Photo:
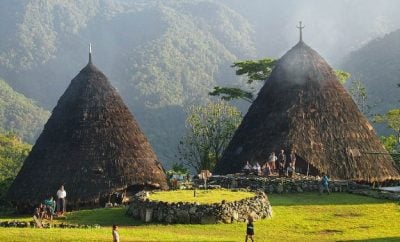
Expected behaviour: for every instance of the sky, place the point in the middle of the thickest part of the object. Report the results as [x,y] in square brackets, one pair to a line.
[333,27]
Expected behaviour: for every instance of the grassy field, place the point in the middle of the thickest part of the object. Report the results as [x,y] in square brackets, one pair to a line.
[297,217]
[202,196]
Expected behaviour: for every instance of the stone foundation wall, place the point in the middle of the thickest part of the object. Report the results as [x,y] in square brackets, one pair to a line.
[191,213]
[280,184]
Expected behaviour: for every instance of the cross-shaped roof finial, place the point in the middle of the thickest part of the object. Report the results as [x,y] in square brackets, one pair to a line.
[90,52]
[301,27]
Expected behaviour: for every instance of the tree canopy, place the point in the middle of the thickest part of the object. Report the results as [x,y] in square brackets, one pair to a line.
[255,71]
[209,128]
[12,155]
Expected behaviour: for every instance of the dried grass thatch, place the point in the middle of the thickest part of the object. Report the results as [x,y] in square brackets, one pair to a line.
[303,107]
[92,144]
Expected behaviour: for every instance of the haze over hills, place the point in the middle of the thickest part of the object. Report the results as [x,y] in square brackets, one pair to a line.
[377,64]
[165,55]
[161,56]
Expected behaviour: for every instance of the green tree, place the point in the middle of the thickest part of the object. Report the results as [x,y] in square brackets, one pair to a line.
[389,142]
[12,154]
[392,119]
[255,71]
[342,76]
[209,128]
[179,168]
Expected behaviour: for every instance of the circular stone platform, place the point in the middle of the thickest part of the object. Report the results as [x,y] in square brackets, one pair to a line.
[171,211]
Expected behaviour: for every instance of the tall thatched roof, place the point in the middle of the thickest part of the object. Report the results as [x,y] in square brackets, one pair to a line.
[92,144]
[302,106]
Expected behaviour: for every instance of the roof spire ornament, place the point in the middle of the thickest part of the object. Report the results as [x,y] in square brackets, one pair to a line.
[301,27]
[90,52]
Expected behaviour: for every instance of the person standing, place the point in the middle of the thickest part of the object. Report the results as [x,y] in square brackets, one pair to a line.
[324,184]
[271,160]
[250,229]
[293,160]
[115,233]
[282,158]
[61,203]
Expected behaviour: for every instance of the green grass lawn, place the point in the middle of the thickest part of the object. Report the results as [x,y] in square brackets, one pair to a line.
[202,196]
[296,217]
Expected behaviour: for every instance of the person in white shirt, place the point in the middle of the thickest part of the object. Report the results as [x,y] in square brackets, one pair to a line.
[257,169]
[247,168]
[272,160]
[61,203]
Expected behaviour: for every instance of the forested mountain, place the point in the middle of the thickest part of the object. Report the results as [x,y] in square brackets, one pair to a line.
[20,115]
[160,55]
[377,64]
[165,55]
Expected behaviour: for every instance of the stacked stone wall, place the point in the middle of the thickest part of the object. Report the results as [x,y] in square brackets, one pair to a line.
[192,213]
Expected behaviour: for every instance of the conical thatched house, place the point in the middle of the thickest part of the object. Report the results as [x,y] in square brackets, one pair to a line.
[302,106]
[91,144]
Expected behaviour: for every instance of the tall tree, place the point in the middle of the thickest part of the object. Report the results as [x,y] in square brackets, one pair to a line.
[209,128]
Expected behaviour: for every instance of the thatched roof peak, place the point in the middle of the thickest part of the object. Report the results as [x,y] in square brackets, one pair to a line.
[301,64]
[92,144]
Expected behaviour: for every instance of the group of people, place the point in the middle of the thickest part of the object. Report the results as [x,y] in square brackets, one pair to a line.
[49,208]
[282,165]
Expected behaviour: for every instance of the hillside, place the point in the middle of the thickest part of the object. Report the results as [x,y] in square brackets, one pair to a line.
[160,55]
[377,64]
[20,115]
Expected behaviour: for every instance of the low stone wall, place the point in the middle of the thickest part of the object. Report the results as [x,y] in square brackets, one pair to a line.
[394,196]
[191,213]
[32,224]
[280,184]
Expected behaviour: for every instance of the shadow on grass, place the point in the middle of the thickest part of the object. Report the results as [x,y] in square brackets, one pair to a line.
[374,240]
[101,216]
[295,199]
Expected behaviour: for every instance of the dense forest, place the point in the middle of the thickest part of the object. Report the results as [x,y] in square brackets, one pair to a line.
[162,56]
[12,153]
[20,115]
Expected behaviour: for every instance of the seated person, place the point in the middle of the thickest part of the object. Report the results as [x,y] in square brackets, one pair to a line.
[36,213]
[37,217]
[281,168]
[257,169]
[50,207]
[247,168]
[42,210]
[267,169]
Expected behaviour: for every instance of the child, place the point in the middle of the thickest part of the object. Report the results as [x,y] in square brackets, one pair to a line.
[115,233]
[250,229]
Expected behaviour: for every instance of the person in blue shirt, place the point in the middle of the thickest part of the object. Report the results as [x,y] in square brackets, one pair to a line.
[324,184]
[50,206]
